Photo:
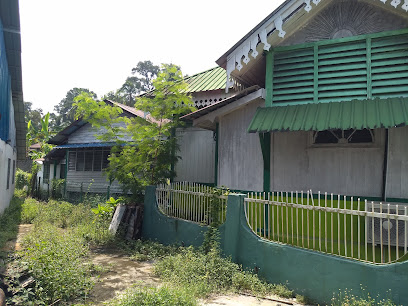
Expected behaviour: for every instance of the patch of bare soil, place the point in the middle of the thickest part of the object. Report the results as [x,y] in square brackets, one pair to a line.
[122,273]
[246,300]
[15,244]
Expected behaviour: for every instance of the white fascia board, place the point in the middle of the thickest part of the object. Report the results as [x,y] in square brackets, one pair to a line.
[211,117]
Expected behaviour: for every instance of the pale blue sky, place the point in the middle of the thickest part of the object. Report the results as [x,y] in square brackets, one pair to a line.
[95,43]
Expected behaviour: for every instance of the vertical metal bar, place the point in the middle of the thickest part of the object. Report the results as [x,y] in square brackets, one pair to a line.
[320,225]
[338,225]
[269,217]
[397,236]
[291,199]
[273,216]
[372,232]
[325,222]
[264,212]
[307,221]
[282,215]
[303,239]
[287,218]
[405,232]
[253,212]
[381,235]
[366,231]
[314,223]
[277,216]
[345,228]
[351,230]
[389,232]
[358,230]
[332,225]
[297,219]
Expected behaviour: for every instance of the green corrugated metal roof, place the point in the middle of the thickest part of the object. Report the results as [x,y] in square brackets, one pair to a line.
[354,114]
[211,79]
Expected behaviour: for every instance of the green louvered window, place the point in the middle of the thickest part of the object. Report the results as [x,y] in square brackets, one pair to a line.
[361,67]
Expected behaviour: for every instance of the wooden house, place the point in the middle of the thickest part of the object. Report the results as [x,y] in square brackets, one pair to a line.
[326,101]
[80,157]
[12,125]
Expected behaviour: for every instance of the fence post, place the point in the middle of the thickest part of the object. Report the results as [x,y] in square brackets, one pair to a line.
[232,224]
[148,226]
[80,195]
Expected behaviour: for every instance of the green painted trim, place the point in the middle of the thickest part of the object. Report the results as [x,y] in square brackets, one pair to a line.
[341,40]
[269,78]
[265,141]
[316,74]
[217,134]
[369,76]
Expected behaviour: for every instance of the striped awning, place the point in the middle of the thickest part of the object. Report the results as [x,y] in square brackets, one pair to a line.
[355,114]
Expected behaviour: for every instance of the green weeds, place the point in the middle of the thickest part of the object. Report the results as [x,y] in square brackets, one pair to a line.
[155,296]
[347,298]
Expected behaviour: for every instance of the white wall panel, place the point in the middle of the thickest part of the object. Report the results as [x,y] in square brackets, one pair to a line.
[197,150]
[240,156]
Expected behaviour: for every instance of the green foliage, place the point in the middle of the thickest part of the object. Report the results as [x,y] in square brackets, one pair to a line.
[165,296]
[205,274]
[22,179]
[148,161]
[347,298]
[30,209]
[55,259]
[147,250]
[57,188]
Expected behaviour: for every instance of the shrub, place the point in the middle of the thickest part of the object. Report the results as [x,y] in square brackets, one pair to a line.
[155,296]
[209,273]
[143,250]
[9,220]
[22,179]
[29,210]
[347,298]
[55,258]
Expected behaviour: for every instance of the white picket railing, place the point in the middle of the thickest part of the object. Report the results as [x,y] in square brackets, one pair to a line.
[188,201]
[347,227]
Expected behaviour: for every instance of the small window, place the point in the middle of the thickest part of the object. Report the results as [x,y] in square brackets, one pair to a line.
[14,172]
[72,160]
[105,161]
[46,174]
[80,161]
[97,162]
[343,136]
[88,160]
[8,173]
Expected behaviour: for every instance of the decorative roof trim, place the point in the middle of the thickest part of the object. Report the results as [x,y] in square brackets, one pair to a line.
[241,54]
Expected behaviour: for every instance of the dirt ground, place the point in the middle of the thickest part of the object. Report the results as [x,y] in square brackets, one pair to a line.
[120,273]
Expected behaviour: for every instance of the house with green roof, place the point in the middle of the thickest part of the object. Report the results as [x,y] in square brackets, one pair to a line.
[324,105]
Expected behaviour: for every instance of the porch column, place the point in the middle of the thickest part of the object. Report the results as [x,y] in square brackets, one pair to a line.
[265,140]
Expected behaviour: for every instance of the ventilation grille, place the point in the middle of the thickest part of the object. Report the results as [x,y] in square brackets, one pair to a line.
[340,70]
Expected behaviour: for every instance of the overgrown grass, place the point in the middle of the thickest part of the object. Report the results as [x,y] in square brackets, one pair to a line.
[78,218]
[155,296]
[347,298]
[206,274]
[56,260]
[145,250]
[9,220]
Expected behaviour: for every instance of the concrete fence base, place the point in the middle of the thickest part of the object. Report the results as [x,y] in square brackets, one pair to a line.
[313,274]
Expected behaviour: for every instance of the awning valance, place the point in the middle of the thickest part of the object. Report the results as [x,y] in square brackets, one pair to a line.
[355,114]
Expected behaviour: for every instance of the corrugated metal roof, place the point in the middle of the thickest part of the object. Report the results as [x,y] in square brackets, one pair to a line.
[354,114]
[211,79]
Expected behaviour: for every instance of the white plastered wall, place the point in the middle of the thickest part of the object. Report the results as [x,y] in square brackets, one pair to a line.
[6,152]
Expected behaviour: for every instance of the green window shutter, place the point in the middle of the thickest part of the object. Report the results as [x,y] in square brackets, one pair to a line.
[389,57]
[362,67]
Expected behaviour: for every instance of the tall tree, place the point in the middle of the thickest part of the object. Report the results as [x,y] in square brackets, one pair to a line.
[148,160]
[129,90]
[65,114]
[33,115]
[146,72]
